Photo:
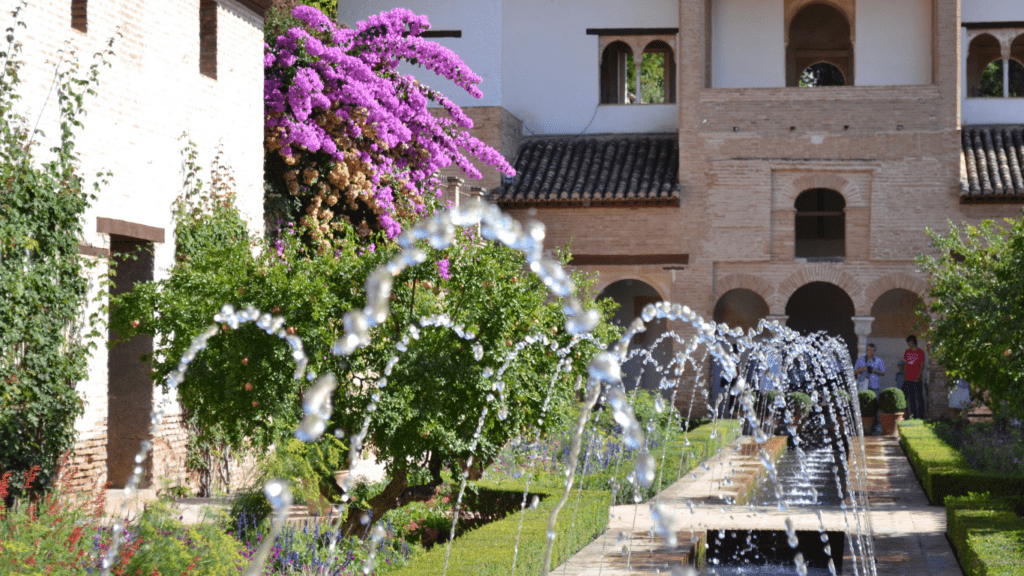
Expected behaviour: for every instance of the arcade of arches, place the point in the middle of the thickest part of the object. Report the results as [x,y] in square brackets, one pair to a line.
[815,306]
[822,306]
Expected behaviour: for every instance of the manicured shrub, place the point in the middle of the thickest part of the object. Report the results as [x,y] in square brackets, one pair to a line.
[944,472]
[987,534]
[868,403]
[490,549]
[892,401]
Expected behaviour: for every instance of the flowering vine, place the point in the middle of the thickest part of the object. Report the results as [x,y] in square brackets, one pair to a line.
[349,139]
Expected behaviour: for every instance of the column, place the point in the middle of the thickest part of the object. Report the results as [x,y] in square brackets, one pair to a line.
[1005,45]
[637,61]
[862,326]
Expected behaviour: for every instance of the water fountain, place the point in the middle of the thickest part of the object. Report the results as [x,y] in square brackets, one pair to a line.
[745,360]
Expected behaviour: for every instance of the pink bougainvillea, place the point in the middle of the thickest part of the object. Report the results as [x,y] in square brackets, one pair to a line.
[351,136]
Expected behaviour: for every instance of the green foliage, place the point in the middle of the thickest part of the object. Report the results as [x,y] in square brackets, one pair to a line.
[892,400]
[799,402]
[489,550]
[987,534]
[645,410]
[944,472]
[170,547]
[652,77]
[992,80]
[241,391]
[868,403]
[976,305]
[43,353]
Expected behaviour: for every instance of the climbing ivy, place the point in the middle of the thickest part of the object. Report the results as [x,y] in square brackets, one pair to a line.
[43,353]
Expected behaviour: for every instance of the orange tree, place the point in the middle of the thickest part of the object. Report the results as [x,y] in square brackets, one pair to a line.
[976,306]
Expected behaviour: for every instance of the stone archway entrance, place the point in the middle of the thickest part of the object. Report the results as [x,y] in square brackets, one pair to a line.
[632,296]
[895,318]
[823,306]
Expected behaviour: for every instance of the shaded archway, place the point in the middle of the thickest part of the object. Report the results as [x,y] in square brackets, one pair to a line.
[981,52]
[632,296]
[823,306]
[615,60]
[818,33]
[741,308]
[895,314]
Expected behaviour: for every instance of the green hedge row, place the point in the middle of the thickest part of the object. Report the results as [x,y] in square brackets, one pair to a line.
[987,534]
[943,471]
[489,550]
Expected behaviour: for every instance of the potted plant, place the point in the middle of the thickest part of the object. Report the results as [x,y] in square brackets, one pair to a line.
[868,409]
[891,404]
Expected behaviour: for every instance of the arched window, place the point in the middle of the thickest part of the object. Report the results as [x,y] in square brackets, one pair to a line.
[820,224]
[616,57]
[984,67]
[657,74]
[656,77]
[819,33]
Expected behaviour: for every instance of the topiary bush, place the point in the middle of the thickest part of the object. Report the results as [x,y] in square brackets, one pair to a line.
[987,534]
[892,401]
[868,403]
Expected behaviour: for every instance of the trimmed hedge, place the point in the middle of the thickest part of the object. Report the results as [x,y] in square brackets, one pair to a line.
[987,534]
[489,549]
[943,471]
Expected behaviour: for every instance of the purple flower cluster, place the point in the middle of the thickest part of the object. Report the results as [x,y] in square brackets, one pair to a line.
[442,269]
[337,92]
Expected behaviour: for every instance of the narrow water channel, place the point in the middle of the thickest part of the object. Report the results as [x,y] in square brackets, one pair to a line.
[807,481]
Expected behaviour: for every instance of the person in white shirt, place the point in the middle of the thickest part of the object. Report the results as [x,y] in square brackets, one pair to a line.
[869,370]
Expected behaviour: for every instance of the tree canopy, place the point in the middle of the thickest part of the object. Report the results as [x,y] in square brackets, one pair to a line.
[977,306]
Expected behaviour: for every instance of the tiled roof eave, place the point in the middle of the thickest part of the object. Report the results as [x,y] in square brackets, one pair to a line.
[672,201]
[992,158]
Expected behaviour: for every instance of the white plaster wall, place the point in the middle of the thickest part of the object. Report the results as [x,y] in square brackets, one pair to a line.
[748,44]
[992,111]
[479,47]
[991,10]
[551,65]
[894,43]
[152,93]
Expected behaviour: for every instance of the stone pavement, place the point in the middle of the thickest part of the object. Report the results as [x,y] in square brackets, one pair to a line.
[909,534]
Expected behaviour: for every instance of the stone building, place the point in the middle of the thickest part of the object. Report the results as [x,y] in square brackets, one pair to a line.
[192,67]
[784,162]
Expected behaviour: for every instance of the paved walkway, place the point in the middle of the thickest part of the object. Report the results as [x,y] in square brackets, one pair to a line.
[909,534]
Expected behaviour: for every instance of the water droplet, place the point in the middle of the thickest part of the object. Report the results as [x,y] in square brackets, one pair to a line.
[478,352]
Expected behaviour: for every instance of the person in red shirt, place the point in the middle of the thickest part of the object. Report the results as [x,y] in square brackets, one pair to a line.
[913,387]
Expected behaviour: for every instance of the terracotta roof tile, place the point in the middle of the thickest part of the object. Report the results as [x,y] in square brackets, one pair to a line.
[618,171]
[993,163]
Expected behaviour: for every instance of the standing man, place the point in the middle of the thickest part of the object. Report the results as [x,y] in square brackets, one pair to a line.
[872,368]
[912,385]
